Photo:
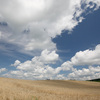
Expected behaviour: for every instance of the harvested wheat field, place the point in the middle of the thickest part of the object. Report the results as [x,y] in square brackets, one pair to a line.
[14,89]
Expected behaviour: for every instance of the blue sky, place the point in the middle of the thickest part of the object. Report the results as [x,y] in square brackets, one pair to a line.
[48,40]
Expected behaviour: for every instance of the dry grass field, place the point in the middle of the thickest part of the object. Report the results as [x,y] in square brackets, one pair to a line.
[13,89]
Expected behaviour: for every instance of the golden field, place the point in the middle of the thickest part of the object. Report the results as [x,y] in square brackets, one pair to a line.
[14,89]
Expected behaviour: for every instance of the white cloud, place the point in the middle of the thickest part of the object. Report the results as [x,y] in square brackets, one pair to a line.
[32,24]
[67,66]
[2,70]
[39,63]
[85,73]
[92,3]
[37,68]
[49,57]
[84,58]
[45,58]
[17,62]
[87,57]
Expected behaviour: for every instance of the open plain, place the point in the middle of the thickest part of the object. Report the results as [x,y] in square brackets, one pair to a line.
[15,89]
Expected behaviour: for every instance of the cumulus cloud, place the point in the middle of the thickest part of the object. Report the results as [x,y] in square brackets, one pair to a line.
[2,70]
[85,73]
[84,58]
[17,62]
[30,25]
[49,57]
[87,57]
[38,67]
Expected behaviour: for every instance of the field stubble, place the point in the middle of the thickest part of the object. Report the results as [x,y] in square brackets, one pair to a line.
[14,89]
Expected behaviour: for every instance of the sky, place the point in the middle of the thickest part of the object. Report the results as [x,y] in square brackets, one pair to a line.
[49,39]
